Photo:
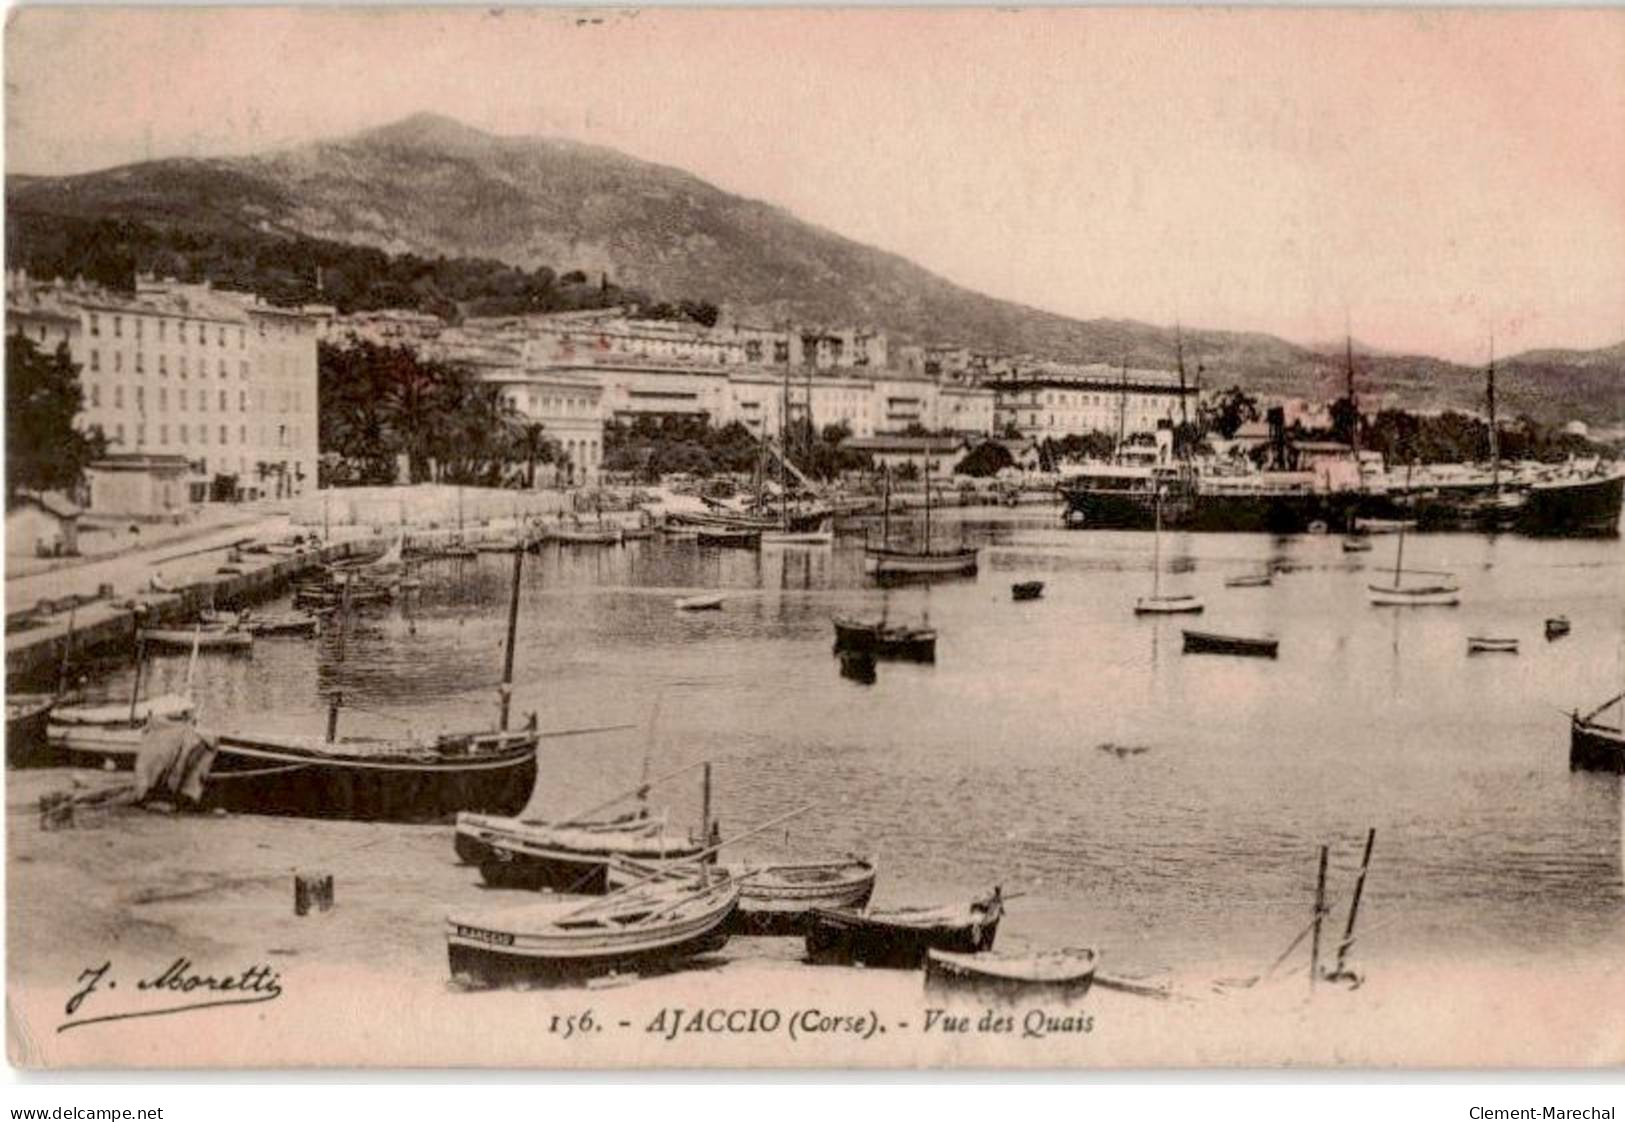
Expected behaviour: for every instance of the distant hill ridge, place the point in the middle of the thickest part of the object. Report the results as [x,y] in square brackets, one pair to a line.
[432,186]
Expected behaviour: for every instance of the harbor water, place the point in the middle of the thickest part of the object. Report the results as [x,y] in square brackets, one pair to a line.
[1164,807]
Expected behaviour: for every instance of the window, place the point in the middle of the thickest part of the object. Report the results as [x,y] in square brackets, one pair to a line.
[161,325]
[95,394]
[180,396]
[118,397]
[242,401]
[95,360]
[183,366]
[95,325]
[163,360]
[163,430]
[138,322]
[222,361]
[183,434]
[242,341]
[140,397]
[243,370]
[223,405]
[140,435]
[242,434]
[221,339]
[222,434]
[163,398]
[118,433]
[203,434]
[203,401]
[118,362]
[118,327]
[140,367]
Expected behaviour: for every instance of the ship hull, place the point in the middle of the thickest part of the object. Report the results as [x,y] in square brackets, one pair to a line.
[1583,508]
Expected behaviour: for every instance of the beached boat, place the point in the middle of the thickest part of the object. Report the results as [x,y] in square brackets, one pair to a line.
[1594,746]
[1157,604]
[1027,590]
[27,716]
[858,666]
[1479,644]
[571,859]
[1250,580]
[1049,977]
[776,897]
[95,735]
[1443,593]
[205,638]
[1208,642]
[708,602]
[901,937]
[1557,627]
[653,927]
[474,832]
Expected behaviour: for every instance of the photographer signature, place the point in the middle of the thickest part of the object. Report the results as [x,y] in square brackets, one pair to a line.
[196,989]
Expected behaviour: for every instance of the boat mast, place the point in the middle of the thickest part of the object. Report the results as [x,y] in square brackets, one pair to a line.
[1495,436]
[885,508]
[513,627]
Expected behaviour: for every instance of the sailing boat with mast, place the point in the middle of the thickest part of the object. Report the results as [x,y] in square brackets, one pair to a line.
[884,561]
[407,778]
[1157,603]
[1444,592]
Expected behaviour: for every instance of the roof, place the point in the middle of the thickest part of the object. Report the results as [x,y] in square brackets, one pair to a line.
[49,501]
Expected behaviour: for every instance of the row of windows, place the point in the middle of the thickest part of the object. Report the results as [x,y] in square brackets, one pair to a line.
[187,434]
[199,334]
[181,366]
[184,399]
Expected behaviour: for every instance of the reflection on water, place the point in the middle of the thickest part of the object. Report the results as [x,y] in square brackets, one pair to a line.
[1000,764]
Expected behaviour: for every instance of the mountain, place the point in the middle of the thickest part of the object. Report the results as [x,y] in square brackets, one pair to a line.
[431,186]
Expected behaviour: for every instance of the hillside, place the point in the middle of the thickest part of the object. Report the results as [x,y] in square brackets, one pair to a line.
[428,186]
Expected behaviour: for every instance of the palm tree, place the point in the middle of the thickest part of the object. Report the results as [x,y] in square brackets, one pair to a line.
[534,445]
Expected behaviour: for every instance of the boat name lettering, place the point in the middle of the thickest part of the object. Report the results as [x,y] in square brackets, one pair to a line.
[670,1022]
[500,938]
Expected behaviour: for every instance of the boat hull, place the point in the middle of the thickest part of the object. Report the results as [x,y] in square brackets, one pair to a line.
[1581,508]
[951,976]
[900,563]
[1413,598]
[840,937]
[1203,642]
[538,862]
[1167,606]
[27,718]
[1595,747]
[780,899]
[1027,590]
[256,776]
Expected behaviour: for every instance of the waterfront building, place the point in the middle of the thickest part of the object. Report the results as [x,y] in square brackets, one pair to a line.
[1052,400]
[41,524]
[221,380]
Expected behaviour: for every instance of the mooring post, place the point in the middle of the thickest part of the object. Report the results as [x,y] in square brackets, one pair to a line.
[1354,904]
[1320,911]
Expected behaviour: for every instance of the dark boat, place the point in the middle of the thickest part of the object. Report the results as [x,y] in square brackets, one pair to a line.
[1027,590]
[858,666]
[658,926]
[1051,977]
[1207,642]
[492,772]
[570,859]
[880,639]
[733,539]
[900,938]
[1557,627]
[1575,507]
[27,715]
[1594,746]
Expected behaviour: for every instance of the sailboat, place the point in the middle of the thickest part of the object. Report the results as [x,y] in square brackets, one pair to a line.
[1442,593]
[787,533]
[109,734]
[1157,603]
[884,561]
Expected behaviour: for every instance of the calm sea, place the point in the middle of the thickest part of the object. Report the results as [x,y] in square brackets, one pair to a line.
[1165,806]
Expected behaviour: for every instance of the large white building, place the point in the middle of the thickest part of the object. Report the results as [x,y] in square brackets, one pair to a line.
[1057,400]
[223,380]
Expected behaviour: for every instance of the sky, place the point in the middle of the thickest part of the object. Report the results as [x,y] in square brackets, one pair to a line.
[1429,179]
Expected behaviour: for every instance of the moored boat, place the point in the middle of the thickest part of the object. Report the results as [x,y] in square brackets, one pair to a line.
[1557,627]
[880,639]
[1480,644]
[731,539]
[1208,642]
[95,735]
[585,535]
[1574,506]
[1167,605]
[1356,543]
[708,602]
[1027,590]
[900,937]
[656,926]
[1051,977]
[205,638]
[1444,593]
[1250,580]
[1594,746]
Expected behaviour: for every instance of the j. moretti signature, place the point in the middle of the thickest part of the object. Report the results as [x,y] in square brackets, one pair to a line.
[180,987]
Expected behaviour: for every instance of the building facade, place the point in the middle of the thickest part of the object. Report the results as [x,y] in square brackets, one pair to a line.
[1054,400]
[222,380]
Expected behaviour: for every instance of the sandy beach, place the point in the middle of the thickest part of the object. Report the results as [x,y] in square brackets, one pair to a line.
[160,899]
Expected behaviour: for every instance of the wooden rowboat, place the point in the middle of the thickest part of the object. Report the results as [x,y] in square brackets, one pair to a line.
[570,859]
[711,602]
[776,897]
[900,938]
[472,840]
[1167,605]
[1027,590]
[96,735]
[1478,644]
[205,638]
[1208,642]
[1250,580]
[1430,595]
[654,927]
[1051,977]
[882,562]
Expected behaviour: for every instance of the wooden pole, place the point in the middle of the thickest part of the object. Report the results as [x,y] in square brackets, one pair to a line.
[705,803]
[1354,904]
[513,627]
[1320,911]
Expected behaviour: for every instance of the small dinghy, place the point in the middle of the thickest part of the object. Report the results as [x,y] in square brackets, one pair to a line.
[900,938]
[1557,627]
[711,602]
[1429,595]
[777,897]
[1167,605]
[205,638]
[1208,642]
[1480,644]
[879,639]
[1051,977]
[1027,590]
[1249,580]
[658,926]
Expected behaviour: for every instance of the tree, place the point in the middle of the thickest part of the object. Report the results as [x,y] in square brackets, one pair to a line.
[533,443]
[1228,411]
[986,459]
[44,452]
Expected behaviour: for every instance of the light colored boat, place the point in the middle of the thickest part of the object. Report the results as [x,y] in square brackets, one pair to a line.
[774,894]
[656,926]
[1051,977]
[1479,644]
[1444,593]
[205,638]
[1167,605]
[797,537]
[95,734]
[1250,580]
